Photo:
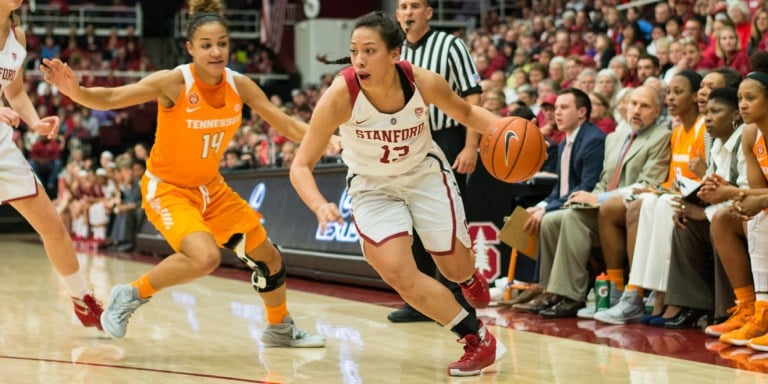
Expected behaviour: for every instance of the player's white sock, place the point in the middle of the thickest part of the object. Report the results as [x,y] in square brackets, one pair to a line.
[76,284]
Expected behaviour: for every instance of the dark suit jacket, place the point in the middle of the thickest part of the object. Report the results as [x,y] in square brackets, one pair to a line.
[585,166]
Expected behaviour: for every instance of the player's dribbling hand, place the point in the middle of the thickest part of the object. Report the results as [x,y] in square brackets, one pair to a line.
[60,75]
[327,213]
[48,126]
[9,116]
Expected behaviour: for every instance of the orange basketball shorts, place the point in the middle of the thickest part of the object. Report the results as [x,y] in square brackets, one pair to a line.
[213,208]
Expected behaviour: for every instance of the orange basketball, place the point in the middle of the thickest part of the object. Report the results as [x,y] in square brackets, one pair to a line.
[513,149]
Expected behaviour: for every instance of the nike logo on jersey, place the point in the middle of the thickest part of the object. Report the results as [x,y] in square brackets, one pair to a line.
[361,121]
[508,136]
[190,110]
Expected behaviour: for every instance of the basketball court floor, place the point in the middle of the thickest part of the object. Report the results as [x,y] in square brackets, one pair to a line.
[208,331]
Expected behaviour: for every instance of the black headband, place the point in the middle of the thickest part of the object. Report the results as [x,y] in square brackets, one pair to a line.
[760,76]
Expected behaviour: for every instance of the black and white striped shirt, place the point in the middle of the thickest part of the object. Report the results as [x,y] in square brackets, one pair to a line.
[448,56]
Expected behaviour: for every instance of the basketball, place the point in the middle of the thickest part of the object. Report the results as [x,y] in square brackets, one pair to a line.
[513,149]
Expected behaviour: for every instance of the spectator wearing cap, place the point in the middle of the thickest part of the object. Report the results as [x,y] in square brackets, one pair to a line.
[546,119]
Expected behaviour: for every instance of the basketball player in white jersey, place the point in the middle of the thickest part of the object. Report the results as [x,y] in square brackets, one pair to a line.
[19,186]
[399,179]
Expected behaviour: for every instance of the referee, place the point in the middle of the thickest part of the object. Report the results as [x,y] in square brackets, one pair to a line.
[448,56]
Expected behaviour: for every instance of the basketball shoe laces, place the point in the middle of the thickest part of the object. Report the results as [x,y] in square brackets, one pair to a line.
[124,310]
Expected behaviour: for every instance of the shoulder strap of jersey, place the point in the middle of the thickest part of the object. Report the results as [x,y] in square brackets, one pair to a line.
[352,85]
[230,76]
[408,70]
[189,79]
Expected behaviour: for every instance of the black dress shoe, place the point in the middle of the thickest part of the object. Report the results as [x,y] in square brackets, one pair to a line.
[686,318]
[543,301]
[564,308]
[407,314]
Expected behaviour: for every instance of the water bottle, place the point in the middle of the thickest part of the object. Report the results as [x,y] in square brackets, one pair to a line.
[602,293]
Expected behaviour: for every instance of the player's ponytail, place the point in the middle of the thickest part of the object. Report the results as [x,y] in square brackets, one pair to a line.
[388,29]
[203,12]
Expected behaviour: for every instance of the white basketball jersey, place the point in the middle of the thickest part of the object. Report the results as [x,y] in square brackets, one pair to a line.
[383,144]
[11,58]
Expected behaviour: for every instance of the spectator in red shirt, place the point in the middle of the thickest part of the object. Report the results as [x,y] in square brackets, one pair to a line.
[738,12]
[729,51]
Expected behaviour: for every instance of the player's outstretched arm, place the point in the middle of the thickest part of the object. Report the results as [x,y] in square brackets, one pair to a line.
[61,76]
[331,111]
[437,91]
[254,97]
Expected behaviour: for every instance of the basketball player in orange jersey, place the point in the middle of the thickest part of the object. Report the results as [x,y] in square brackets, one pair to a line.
[751,205]
[399,179]
[184,195]
[18,185]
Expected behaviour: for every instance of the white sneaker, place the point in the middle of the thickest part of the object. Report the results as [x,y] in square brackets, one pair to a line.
[629,309]
[123,301]
[588,312]
[287,334]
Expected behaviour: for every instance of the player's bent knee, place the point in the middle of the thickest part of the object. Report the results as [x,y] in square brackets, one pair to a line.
[207,261]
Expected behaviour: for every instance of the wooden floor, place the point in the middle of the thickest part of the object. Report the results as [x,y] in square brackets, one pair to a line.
[208,332]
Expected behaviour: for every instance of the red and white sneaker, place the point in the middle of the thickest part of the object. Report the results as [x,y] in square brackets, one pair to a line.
[88,310]
[479,352]
[476,292]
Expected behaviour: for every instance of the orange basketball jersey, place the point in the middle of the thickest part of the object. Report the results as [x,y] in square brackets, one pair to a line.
[759,150]
[192,135]
[685,146]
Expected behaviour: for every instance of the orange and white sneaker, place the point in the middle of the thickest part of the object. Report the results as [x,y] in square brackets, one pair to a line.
[740,315]
[88,310]
[757,326]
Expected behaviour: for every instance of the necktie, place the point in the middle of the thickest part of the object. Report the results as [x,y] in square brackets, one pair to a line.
[617,172]
[565,168]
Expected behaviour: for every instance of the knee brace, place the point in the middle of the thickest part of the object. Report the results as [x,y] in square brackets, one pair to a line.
[263,282]
[260,279]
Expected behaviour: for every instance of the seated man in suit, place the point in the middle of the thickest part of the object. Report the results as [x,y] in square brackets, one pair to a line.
[639,158]
[579,162]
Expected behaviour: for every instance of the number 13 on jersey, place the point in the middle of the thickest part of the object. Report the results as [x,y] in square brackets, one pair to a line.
[212,141]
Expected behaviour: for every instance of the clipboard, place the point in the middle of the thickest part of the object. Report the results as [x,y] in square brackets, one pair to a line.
[513,234]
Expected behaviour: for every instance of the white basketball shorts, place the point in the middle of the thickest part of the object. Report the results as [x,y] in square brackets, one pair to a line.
[17,180]
[426,198]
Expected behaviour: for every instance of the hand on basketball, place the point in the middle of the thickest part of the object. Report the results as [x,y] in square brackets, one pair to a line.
[60,75]
[9,116]
[327,213]
[466,161]
[48,126]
